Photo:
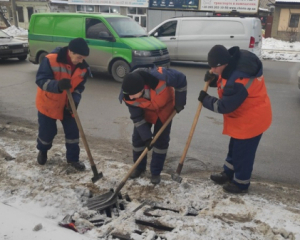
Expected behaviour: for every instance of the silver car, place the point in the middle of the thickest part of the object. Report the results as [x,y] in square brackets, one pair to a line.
[12,48]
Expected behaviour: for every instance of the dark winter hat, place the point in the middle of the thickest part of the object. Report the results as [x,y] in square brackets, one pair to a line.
[218,56]
[133,83]
[79,46]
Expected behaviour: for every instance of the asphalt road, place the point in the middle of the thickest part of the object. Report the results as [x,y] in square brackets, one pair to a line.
[103,116]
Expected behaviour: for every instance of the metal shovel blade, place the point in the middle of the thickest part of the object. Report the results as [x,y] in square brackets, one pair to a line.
[103,201]
[97,175]
[176,177]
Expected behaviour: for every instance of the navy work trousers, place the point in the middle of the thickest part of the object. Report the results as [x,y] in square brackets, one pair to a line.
[160,148]
[240,159]
[48,130]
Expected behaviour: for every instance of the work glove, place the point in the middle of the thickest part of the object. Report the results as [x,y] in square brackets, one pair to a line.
[202,95]
[211,78]
[64,84]
[178,108]
[148,144]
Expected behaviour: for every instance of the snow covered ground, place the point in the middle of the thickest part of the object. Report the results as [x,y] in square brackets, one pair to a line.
[33,195]
[34,199]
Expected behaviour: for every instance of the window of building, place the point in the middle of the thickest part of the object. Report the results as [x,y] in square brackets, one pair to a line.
[134,10]
[20,14]
[138,14]
[144,21]
[30,12]
[141,11]
[294,21]
[109,9]
[85,8]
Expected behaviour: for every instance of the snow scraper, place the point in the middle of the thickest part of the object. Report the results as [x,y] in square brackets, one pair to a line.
[97,175]
[176,176]
[108,199]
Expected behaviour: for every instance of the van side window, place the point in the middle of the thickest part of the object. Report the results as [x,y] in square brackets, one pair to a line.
[96,29]
[166,30]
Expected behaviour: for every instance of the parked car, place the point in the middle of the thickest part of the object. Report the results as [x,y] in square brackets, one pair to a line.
[12,48]
[191,38]
[118,44]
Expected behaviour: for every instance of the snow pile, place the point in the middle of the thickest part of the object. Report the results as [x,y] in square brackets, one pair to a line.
[272,43]
[280,50]
[39,197]
[14,31]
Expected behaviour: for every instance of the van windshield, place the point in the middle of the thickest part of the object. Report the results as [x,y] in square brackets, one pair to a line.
[126,27]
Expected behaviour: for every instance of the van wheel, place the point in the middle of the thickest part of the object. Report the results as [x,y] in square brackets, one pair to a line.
[42,56]
[22,58]
[119,69]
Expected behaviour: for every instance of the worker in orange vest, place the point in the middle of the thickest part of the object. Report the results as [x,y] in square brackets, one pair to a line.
[62,69]
[246,109]
[151,95]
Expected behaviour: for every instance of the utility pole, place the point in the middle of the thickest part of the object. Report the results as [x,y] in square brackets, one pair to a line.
[14,13]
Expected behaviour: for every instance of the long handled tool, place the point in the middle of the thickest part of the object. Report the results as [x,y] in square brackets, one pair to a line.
[110,198]
[175,176]
[97,175]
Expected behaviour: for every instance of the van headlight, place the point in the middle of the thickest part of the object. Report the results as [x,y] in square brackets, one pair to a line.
[138,53]
[25,44]
[4,47]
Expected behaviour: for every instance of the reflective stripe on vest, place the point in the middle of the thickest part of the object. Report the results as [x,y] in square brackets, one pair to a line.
[160,105]
[53,104]
[253,116]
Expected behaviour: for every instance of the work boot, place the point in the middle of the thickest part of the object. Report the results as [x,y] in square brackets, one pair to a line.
[79,166]
[42,158]
[155,179]
[136,173]
[232,188]
[219,178]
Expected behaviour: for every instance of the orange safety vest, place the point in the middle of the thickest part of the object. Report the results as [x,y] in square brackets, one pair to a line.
[160,105]
[254,115]
[53,104]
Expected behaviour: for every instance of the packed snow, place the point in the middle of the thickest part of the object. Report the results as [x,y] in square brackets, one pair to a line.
[35,199]
[14,31]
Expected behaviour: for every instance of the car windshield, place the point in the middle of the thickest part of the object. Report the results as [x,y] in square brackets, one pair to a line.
[3,35]
[126,27]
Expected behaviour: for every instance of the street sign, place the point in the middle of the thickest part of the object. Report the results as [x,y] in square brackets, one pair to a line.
[245,6]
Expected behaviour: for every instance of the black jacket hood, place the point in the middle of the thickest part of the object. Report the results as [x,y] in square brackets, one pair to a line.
[246,63]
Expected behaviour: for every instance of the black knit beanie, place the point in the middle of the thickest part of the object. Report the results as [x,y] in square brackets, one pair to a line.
[218,56]
[79,46]
[133,83]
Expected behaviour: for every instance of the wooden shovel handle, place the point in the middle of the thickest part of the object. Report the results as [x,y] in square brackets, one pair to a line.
[85,143]
[188,142]
[145,152]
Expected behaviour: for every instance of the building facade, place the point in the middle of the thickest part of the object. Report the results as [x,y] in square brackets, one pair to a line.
[286,20]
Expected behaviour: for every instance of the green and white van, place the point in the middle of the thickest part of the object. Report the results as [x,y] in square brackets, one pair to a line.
[117,43]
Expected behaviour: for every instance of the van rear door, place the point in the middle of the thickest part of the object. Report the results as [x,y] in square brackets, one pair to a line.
[257,37]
